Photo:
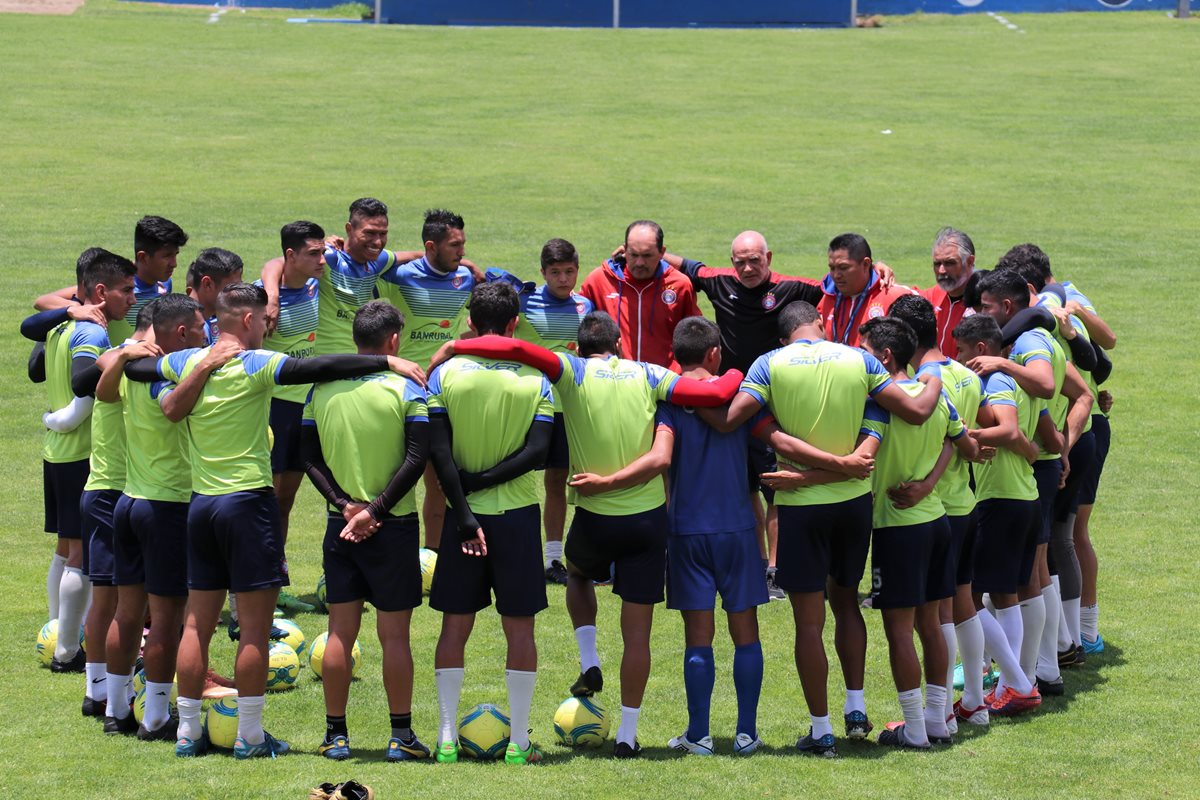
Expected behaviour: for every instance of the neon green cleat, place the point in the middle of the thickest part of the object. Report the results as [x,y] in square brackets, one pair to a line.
[447,753]
[289,602]
[515,755]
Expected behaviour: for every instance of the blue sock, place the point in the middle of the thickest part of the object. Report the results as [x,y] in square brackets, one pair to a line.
[699,675]
[747,682]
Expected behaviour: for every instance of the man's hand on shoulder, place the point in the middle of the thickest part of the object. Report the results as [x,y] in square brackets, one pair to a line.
[407,369]
[219,354]
[88,313]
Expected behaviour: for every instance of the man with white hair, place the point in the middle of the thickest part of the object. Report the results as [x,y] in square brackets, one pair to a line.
[953,266]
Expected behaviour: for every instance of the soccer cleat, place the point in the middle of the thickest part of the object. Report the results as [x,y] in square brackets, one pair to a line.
[447,753]
[952,725]
[703,747]
[324,791]
[94,708]
[289,602]
[74,664]
[235,632]
[165,733]
[822,747]
[556,573]
[1093,646]
[270,746]
[744,744]
[1012,702]
[622,750]
[1071,657]
[191,748]
[401,750]
[773,590]
[353,790]
[1050,688]
[590,682]
[857,725]
[120,725]
[893,736]
[971,716]
[338,749]
[515,755]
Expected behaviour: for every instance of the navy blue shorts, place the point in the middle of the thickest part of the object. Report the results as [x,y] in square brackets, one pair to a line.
[910,565]
[629,548]
[962,546]
[512,568]
[1046,474]
[1082,459]
[1005,544]
[96,508]
[761,458]
[62,489]
[151,545]
[286,417]
[235,542]
[1102,431]
[823,541]
[384,570]
[699,566]
[559,456]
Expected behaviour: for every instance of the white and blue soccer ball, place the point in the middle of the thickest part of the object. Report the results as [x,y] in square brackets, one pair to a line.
[581,722]
[283,667]
[483,733]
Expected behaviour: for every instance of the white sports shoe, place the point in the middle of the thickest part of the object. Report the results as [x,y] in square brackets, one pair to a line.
[743,745]
[704,747]
[952,725]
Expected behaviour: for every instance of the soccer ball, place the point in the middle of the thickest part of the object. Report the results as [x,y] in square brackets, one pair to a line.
[316,654]
[139,682]
[295,637]
[428,565]
[483,733]
[47,640]
[581,721]
[221,722]
[321,594]
[283,667]
[139,702]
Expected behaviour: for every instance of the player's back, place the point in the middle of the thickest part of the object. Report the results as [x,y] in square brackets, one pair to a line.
[965,391]
[1008,475]
[433,303]
[157,463]
[64,344]
[709,479]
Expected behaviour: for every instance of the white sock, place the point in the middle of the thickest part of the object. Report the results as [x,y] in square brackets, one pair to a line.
[585,637]
[1089,622]
[97,686]
[1047,660]
[935,710]
[233,606]
[1070,621]
[988,604]
[855,701]
[118,695]
[970,645]
[520,699]
[449,682]
[1001,633]
[914,717]
[951,648]
[821,726]
[158,705]
[1063,631]
[53,579]
[627,733]
[553,552]
[250,713]
[73,591]
[189,718]
[1033,620]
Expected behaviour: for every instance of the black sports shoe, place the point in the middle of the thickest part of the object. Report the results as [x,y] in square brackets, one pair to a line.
[556,573]
[1071,657]
[94,708]
[823,747]
[622,750]
[893,736]
[125,725]
[235,632]
[74,664]
[1053,688]
[166,733]
[590,682]
[857,725]
[773,590]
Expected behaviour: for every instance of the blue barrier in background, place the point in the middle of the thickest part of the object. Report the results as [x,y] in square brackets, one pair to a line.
[896,7]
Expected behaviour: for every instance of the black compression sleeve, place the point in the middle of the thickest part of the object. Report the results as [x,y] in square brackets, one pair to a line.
[37,363]
[328,368]
[143,370]
[1026,320]
[416,453]
[447,472]
[531,456]
[38,326]
[84,376]
[1104,365]
[317,470]
[1082,354]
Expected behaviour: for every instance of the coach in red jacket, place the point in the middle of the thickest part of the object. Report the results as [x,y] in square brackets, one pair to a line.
[644,294]
[853,290]
[953,265]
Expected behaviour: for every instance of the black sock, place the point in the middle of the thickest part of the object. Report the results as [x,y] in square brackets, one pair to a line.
[402,726]
[334,727]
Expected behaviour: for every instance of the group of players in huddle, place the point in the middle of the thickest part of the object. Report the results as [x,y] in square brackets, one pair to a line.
[955,435]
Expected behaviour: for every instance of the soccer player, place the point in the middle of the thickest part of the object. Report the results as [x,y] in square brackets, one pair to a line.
[620,523]
[854,291]
[912,567]
[644,294]
[295,334]
[366,440]
[550,317]
[213,270]
[817,391]
[233,519]
[482,411]
[105,281]
[953,266]
[156,244]
[712,548]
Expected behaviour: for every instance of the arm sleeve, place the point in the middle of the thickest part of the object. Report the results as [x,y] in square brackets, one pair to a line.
[317,470]
[37,363]
[1082,354]
[504,347]
[416,453]
[84,376]
[71,416]
[327,368]
[447,473]
[1103,366]
[143,370]
[1026,320]
[706,394]
[37,326]
[531,456]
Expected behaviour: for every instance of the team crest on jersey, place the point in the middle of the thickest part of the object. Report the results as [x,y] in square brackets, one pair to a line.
[162,288]
[669,296]
[874,312]
[457,282]
[580,308]
[769,301]
[312,290]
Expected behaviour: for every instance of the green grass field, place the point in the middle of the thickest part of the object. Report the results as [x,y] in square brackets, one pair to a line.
[1078,134]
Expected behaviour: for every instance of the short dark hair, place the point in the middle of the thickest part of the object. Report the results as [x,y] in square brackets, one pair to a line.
[375,322]
[918,313]
[694,337]
[492,306]
[855,245]
[144,318]
[794,315]
[647,223]
[892,334]
[367,208]
[152,234]
[102,267]
[171,310]
[1030,261]
[241,295]
[1005,284]
[559,251]
[438,224]
[293,235]
[979,328]
[598,334]
[971,290]
[216,263]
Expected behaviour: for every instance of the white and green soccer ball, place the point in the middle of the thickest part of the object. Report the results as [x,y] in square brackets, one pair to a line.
[295,637]
[581,722]
[316,655]
[221,723]
[483,733]
[283,667]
